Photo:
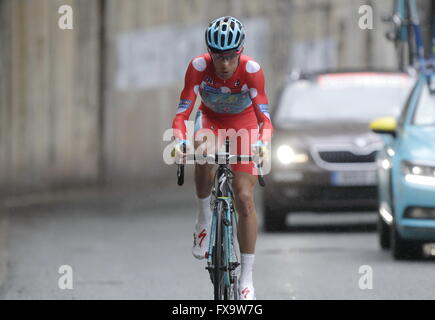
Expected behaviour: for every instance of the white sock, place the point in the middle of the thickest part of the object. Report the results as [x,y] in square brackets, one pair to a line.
[247,262]
[204,211]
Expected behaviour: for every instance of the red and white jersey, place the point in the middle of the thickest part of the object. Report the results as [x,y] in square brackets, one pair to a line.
[242,95]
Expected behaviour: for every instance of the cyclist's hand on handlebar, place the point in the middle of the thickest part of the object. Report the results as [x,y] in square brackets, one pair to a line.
[260,148]
[180,150]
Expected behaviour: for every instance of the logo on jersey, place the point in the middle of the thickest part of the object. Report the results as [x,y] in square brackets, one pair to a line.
[237,83]
[209,89]
[226,102]
[183,105]
[209,80]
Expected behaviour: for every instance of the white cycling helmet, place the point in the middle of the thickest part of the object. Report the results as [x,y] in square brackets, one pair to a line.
[225,34]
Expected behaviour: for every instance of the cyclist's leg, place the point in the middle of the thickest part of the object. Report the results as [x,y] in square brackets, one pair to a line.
[203,176]
[205,132]
[243,187]
[244,182]
[203,179]
[203,183]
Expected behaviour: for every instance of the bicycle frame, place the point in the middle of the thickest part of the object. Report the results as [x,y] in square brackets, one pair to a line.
[415,21]
[407,34]
[225,216]
[399,17]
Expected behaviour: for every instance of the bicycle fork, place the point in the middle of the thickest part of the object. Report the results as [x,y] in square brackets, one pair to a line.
[230,258]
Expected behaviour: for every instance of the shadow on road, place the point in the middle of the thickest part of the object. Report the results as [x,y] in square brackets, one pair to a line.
[330,228]
[351,227]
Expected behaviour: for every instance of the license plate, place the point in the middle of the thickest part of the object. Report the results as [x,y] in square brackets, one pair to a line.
[353,178]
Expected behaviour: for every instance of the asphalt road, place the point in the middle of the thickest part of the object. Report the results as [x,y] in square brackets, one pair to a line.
[136,244]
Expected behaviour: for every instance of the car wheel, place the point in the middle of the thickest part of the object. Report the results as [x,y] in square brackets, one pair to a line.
[274,215]
[384,234]
[274,220]
[402,248]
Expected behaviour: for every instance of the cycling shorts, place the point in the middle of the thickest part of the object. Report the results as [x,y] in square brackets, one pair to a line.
[241,129]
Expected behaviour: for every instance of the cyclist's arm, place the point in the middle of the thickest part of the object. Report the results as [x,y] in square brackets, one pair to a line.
[260,103]
[187,101]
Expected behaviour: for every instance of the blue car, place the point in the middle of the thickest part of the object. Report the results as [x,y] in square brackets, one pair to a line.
[406,174]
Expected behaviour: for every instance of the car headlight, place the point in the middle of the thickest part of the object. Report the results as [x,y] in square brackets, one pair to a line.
[286,155]
[418,173]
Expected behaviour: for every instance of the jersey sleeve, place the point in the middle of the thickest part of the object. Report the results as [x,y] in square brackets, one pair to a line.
[188,96]
[259,100]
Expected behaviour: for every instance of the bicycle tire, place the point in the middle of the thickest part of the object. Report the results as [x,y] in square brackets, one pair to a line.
[217,259]
[222,274]
[232,246]
[225,279]
[236,248]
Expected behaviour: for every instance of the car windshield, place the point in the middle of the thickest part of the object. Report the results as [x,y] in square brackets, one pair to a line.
[425,112]
[345,98]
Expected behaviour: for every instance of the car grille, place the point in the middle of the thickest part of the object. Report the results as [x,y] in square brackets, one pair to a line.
[337,193]
[346,157]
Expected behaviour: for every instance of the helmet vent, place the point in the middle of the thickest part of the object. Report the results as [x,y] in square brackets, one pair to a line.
[224,27]
[222,40]
[237,36]
[230,37]
[215,37]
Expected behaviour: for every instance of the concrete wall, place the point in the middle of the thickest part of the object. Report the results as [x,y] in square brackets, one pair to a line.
[49,96]
[77,108]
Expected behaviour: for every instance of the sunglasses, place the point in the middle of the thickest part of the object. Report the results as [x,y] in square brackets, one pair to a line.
[226,56]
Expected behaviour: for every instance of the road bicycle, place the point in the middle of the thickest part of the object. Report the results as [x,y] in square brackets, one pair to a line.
[223,257]
[406,34]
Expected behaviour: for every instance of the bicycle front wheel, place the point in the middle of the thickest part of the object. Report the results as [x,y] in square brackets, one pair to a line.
[218,260]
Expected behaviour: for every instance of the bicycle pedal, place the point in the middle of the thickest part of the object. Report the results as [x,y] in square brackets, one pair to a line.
[234,265]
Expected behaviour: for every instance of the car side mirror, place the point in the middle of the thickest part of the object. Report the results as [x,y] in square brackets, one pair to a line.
[386,125]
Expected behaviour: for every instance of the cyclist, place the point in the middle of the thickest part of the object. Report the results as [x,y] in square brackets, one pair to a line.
[231,86]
